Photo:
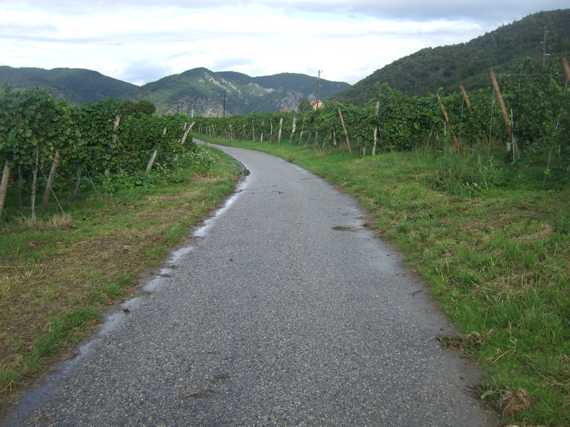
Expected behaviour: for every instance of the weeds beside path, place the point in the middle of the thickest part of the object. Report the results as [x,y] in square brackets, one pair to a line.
[57,277]
[497,261]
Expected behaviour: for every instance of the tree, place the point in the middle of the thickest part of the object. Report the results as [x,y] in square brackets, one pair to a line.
[304,106]
[138,107]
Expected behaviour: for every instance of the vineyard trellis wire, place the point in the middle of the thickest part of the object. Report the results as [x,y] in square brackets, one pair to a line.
[527,111]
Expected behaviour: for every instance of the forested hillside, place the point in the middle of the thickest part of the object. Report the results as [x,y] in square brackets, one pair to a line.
[447,66]
[199,91]
[73,84]
[202,91]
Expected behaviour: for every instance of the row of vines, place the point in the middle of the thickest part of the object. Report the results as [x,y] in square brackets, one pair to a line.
[524,112]
[43,138]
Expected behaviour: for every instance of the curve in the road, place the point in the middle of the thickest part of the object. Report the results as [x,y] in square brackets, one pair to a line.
[284,311]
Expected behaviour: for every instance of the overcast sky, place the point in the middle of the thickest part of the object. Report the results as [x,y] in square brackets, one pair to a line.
[143,40]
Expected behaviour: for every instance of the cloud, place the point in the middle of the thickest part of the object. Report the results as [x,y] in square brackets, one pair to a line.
[231,63]
[142,40]
[140,72]
[481,10]
[484,10]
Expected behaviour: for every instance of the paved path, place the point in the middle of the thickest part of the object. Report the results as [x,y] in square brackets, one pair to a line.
[284,311]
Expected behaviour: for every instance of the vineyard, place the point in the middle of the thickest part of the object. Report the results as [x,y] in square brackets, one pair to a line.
[50,149]
[521,117]
[474,189]
[472,186]
[92,198]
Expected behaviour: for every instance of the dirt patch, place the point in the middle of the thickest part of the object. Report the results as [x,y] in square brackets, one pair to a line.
[543,233]
[515,401]
[462,343]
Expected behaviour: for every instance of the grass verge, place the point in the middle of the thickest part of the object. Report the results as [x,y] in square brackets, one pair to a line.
[58,276]
[496,257]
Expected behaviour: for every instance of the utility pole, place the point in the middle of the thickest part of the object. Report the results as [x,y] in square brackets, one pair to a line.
[318,92]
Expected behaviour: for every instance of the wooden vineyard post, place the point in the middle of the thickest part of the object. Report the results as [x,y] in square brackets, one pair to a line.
[4,184]
[345,130]
[77,187]
[151,161]
[376,129]
[252,131]
[35,185]
[153,156]
[443,110]
[186,133]
[375,140]
[20,186]
[447,122]
[51,179]
[280,134]
[270,129]
[261,138]
[115,137]
[294,128]
[466,97]
[501,102]
[116,125]
[512,144]
[325,139]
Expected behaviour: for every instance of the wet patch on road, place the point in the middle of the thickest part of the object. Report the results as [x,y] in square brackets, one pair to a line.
[345,228]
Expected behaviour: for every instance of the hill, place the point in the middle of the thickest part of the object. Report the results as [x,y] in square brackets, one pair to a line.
[75,85]
[199,90]
[203,91]
[432,68]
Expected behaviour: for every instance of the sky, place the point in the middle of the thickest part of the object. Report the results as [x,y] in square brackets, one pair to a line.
[143,40]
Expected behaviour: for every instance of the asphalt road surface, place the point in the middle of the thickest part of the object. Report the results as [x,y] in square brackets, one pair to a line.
[284,311]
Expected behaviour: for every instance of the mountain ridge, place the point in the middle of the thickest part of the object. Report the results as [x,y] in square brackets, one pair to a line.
[446,67]
[78,85]
[198,90]
[204,91]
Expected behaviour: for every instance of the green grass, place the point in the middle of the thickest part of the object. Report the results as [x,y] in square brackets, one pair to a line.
[496,257]
[59,276]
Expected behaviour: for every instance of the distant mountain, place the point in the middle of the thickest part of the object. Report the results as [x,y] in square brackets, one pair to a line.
[429,69]
[203,91]
[75,85]
[199,90]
